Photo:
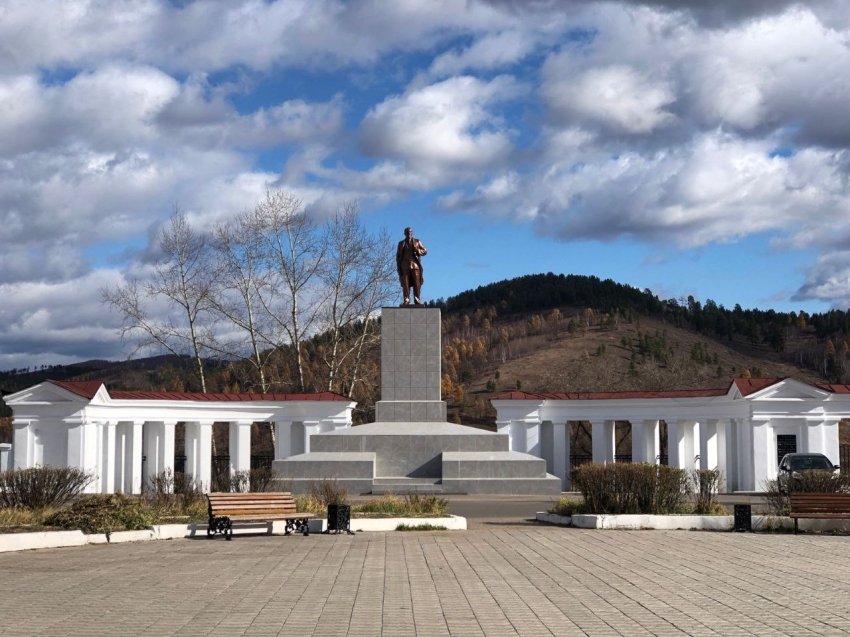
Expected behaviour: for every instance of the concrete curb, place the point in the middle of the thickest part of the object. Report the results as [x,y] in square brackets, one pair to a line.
[687,522]
[61,539]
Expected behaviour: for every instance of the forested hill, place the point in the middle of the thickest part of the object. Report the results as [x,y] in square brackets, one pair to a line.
[535,292]
[825,334]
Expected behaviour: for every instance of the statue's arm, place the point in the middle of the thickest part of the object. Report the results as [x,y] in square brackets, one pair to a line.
[421,248]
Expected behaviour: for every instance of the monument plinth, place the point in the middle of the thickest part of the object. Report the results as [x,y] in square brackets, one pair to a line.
[410,448]
[411,355]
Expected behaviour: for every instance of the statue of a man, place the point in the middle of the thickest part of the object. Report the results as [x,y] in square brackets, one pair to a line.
[409,266]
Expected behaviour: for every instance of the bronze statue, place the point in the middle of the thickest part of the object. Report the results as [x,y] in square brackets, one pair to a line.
[409,266]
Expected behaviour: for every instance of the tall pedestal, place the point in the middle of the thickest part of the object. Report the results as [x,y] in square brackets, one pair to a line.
[411,356]
[410,448]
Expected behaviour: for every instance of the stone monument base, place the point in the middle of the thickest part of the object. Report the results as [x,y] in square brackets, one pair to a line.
[417,457]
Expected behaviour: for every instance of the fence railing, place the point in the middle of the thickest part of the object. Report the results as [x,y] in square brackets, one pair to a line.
[221,464]
[844,458]
[585,458]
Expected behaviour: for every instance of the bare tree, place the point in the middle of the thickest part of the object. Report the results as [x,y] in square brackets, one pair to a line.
[356,277]
[294,250]
[241,280]
[183,278]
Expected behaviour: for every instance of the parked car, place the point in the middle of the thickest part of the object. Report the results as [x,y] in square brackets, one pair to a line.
[793,463]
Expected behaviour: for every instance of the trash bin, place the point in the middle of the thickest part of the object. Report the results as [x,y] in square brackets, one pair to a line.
[339,518]
[743,518]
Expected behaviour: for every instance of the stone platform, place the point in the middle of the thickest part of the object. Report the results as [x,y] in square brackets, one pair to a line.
[418,457]
[411,448]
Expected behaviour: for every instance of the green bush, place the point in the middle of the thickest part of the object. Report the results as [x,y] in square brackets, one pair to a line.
[778,491]
[41,487]
[627,487]
[105,514]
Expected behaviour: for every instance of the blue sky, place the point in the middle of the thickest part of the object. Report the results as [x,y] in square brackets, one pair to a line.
[689,148]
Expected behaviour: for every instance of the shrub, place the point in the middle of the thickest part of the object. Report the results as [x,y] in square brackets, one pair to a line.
[254,481]
[631,488]
[420,527]
[41,487]
[567,507]
[327,492]
[105,514]
[409,505]
[778,491]
[706,485]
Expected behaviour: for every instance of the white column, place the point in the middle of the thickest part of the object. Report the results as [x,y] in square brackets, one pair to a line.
[708,444]
[109,458]
[22,444]
[282,440]
[99,469]
[722,453]
[680,444]
[732,459]
[5,459]
[561,452]
[133,452]
[603,441]
[645,441]
[240,446]
[746,475]
[199,453]
[91,445]
[310,427]
[830,441]
[168,430]
[763,440]
[159,447]
[519,438]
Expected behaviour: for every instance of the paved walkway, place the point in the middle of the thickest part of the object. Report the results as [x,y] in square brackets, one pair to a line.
[506,580]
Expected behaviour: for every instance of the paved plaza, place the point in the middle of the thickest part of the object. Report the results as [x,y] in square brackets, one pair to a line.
[499,580]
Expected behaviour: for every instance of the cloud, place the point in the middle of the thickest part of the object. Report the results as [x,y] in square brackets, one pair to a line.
[61,321]
[442,127]
[718,188]
[828,280]
[616,97]
[211,35]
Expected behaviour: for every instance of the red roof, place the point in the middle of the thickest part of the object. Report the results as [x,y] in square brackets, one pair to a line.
[835,389]
[746,386]
[88,389]
[749,386]
[84,388]
[613,395]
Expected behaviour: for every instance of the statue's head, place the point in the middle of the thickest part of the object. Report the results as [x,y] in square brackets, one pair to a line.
[408,232]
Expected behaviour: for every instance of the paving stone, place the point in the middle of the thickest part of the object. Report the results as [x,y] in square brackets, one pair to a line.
[506,580]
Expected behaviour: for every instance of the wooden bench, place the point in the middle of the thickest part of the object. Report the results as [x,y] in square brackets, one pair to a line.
[825,506]
[227,508]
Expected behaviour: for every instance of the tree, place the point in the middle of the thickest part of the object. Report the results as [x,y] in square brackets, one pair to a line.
[356,277]
[184,278]
[241,282]
[294,251]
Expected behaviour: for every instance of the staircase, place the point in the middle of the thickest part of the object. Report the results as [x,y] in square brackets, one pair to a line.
[406,486]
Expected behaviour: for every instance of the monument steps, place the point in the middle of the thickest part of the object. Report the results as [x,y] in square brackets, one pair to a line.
[411,448]
[407,486]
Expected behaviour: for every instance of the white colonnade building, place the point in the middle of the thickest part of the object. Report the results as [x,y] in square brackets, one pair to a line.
[126,437]
[743,430]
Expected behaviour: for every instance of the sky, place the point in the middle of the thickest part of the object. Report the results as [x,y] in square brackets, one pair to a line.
[687,147]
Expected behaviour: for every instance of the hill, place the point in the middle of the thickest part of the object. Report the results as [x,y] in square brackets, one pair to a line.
[541,332]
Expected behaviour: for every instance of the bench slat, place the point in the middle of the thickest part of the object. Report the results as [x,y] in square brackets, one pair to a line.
[819,506]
